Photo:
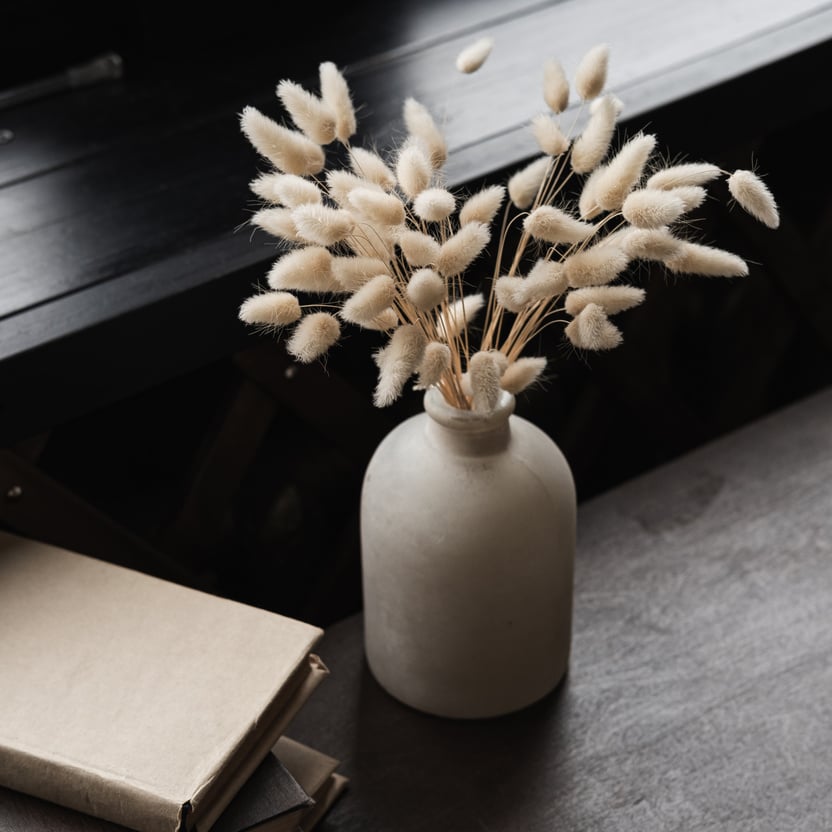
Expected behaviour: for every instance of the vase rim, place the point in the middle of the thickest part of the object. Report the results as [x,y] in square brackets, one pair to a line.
[471,421]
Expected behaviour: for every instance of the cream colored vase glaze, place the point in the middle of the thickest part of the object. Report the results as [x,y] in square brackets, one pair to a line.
[468,546]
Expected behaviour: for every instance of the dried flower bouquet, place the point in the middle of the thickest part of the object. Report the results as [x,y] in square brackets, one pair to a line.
[379,242]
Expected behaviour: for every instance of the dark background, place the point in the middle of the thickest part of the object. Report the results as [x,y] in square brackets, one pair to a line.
[244,471]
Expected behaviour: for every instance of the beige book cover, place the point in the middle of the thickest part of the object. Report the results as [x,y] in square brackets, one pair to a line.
[134,699]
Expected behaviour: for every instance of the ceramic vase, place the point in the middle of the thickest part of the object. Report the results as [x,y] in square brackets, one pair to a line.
[467,555]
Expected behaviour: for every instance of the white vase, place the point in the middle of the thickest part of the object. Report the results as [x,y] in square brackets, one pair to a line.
[467,556]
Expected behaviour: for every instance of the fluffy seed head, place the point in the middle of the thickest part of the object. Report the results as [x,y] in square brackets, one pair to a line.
[341,183]
[555,86]
[418,249]
[272,309]
[596,265]
[376,295]
[292,190]
[522,374]
[351,273]
[484,373]
[650,243]
[460,250]
[525,183]
[549,137]
[413,169]
[278,222]
[590,148]
[509,291]
[588,207]
[396,362]
[591,74]
[387,321]
[377,205]
[459,314]
[434,205]
[546,280]
[422,127]
[335,93]
[689,173]
[753,196]
[692,196]
[426,289]
[611,299]
[436,360]
[623,172]
[290,151]
[591,329]
[263,186]
[473,56]
[311,115]
[556,226]
[312,336]
[371,166]
[695,258]
[322,225]
[483,205]
[652,208]
[307,269]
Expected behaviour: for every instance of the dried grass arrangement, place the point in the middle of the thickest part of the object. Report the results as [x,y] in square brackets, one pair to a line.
[378,241]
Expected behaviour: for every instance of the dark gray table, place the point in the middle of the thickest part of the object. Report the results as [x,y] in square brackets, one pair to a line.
[700,691]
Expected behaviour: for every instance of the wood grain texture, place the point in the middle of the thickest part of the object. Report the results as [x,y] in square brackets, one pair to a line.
[697,694]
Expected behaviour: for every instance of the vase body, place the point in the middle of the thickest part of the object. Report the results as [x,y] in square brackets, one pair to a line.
[467,557]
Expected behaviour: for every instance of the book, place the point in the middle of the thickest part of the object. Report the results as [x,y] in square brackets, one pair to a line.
[134,699]
[289,796]
[315,775]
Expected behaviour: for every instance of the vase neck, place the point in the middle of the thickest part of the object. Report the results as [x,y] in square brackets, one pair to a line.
[468,432]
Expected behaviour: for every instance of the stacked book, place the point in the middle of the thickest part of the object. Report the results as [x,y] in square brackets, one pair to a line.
[127,701]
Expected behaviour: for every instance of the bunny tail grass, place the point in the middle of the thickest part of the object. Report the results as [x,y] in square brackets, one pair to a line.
[525,183]
[611,299]
[522,374]
[290,151]
[483,205]
[335,92]
[592,330]
[396,362]
[434,205]
[555,86]
[307,269]
[472,57]
[370,300]
[436,360]
[272,309]
[590,148]
[313,335]
[426,289]
[459,251]
[484,373]
[313,117]
[421,126]
[695,258]
[556,226]
[591,74]
[754,197]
